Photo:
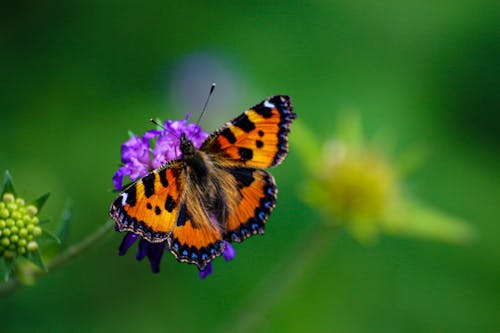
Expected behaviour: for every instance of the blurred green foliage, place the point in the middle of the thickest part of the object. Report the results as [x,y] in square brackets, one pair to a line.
[77,75]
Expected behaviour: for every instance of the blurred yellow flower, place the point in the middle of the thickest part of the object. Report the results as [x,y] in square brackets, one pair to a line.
[355,185]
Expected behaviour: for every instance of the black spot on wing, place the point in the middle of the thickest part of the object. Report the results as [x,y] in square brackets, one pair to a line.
[264,111]
[244,123]
[183,215]
[163,177]
[149,184]
[132,195]
[157,210]
[259,144]
[244,176]
[245,153]
[170,204]
[228,135]
[261,133]
[149,206]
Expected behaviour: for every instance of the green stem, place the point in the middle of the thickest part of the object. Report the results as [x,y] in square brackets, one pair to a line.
[274,288]
[62,258]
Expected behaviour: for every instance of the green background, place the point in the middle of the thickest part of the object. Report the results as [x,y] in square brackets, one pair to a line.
[75,76]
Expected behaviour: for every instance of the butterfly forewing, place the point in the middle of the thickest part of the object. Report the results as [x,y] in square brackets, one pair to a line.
[258,137]
[149,207]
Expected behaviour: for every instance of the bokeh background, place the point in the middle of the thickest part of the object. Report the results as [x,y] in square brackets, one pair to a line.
[75,76]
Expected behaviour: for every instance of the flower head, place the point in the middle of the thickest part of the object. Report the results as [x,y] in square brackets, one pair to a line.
[20,232]
[142,154]
[356,185]
[19,227]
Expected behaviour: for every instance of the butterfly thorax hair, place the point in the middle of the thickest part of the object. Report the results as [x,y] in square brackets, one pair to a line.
[209,191]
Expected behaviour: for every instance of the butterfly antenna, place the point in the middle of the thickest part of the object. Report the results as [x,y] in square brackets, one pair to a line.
[160,125]
[212,88]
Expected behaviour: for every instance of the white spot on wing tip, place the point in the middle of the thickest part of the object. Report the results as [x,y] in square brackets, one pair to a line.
[267,104]
[124,198]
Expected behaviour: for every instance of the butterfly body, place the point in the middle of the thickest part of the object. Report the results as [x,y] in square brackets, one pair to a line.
[218,192]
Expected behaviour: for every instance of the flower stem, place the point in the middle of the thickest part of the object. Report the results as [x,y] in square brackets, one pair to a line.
[62,258]
[274,288]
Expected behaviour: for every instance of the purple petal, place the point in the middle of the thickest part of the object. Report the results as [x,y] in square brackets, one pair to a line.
[155,252]
[137,169]
[151,134]
[206,271]
[118,177]
[127,242]
[167,148]
[229,253]
[142,251]
[136,148]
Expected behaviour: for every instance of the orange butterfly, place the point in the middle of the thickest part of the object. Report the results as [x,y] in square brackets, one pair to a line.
[217,193]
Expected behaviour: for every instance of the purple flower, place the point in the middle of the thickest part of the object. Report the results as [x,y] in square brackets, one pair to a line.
[140,155]
[229,253]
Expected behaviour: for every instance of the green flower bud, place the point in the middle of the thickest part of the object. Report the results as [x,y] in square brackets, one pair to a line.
[12,206]
[23,232]
[22,242]
[8,198]
[21,250]
[16,215]
[19,223]
[32,210]
[32,246]
[20,202]
[6,232]
[14,238]
[2,224]
[14,230]
[4,213]
[5,241]
[37,231]
[10,223]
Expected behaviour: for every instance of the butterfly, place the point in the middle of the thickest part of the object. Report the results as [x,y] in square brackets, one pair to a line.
[219,192]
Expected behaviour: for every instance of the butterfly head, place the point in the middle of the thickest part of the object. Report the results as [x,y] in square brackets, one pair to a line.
[187,147]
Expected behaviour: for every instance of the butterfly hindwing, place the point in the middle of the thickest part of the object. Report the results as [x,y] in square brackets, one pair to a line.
[194,238]
[149,207]
[258,198]
[258,137]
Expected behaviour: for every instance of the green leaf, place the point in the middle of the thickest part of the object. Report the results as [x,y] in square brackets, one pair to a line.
[50,236]
[5,269]
[7,186]
[36,258]
[64,224]
[131,134]
[417,220]
[38,203]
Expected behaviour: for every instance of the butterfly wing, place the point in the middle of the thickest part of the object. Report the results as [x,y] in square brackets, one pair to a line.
[257,138]
[258,197]
[195,239]
[150,206]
